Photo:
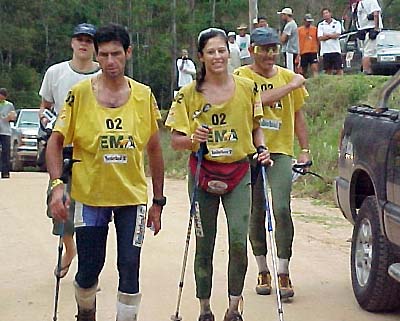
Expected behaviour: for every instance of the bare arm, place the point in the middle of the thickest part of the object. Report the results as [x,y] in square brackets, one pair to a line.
[268,97]
[156,164]
[54,163]
[44,105]
[180,141]
[300,128]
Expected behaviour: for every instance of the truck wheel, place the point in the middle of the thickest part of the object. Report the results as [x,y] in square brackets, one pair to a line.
[16,163]
[371,256]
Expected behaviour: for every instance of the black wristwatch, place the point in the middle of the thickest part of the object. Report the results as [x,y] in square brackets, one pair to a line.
[160,201]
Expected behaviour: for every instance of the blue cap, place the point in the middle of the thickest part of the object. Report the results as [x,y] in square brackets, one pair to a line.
[264,36]
[84,29]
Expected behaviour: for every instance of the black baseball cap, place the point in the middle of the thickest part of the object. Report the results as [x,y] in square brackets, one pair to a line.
[264,36]
[84,29]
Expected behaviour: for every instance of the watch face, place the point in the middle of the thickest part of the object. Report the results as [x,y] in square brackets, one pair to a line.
[161,202]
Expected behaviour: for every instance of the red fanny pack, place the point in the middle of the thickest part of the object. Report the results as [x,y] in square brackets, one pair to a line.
[218,178]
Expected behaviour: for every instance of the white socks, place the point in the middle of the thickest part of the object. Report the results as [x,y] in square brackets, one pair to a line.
[128,306]
[283,266]
[85,298]
[262,263]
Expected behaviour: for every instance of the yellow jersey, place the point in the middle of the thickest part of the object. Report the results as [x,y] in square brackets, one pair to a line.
[232,123]
[278,120]
[109,144]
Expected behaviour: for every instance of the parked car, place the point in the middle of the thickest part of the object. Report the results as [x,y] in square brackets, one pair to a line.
[24,135]
[351,49]
[388,53]
[367,190]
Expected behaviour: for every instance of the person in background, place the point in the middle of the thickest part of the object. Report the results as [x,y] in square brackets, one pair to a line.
[262,22]
[186,69]
[57,82]
[329,31]
[243,41]
[234,52]
[289,38]
[369,23]
[308,45]
[7,115]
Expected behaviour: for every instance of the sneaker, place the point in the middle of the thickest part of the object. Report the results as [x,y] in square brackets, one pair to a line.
[206,317]
[233,316]
[86,315]
[5,175]
[285,286]
[263,283]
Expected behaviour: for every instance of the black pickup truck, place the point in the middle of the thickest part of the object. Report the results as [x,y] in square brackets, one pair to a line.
[367,191]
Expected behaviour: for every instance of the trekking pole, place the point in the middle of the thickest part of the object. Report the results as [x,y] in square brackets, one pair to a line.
[268,226]
[66,174]
[58,274]
[194,215]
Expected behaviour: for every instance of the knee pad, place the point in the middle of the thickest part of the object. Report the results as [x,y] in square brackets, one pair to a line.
[91,248]
[128,306]
[85,298]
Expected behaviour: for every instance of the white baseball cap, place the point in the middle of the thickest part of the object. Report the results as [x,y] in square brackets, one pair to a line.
[231,34]
[287,11]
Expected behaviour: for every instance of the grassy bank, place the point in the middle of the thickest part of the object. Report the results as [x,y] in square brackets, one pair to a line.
[325,110]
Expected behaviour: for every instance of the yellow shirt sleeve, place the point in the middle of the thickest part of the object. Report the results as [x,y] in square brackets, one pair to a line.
[65,119]
[178,118]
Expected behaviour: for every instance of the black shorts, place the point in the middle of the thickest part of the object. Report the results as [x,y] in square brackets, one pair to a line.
[308,59]
[333,61]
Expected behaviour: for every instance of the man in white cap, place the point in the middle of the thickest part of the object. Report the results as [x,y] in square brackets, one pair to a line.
[234,52]
[243,41]
[289,38]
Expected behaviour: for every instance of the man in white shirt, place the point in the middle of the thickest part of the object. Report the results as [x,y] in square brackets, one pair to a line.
[186,69]
[369,23]
[234,52]
[243,41]
[328,34]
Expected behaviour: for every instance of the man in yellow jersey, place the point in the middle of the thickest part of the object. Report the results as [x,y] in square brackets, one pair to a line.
[110,119]
[282,94]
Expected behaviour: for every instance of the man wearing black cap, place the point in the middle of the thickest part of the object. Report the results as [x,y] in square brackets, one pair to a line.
[283,95]
[57,81]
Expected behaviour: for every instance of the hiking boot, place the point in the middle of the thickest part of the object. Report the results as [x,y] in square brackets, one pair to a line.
[206,317]
[86,315]
[285,286]
[233,316]
[263,283]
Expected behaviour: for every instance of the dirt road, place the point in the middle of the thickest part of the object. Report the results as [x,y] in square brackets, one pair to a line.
[320,267]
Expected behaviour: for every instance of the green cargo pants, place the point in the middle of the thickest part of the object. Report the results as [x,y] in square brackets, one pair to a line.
[237,206]
[280,182]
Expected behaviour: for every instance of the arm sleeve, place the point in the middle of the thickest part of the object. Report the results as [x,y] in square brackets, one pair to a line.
[288,29]
[178,118]
[45,90]
[374,6]
[320,31]
[65,120]
[155,114]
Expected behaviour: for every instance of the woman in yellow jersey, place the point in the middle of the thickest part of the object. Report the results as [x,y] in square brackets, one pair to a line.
[223,111]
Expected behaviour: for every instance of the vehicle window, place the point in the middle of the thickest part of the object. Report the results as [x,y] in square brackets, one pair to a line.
[29,119]
[388,39]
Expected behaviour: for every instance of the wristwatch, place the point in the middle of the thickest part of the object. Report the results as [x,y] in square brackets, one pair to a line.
[160,201]
[55,182]
[306,150]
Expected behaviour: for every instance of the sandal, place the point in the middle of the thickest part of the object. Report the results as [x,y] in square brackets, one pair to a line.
[63,271]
